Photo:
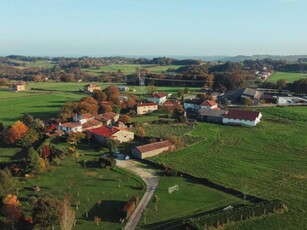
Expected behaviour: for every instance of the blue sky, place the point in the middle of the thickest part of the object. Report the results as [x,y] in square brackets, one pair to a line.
[153,27]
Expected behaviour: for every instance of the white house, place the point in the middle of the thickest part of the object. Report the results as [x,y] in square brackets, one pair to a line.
[242,117]
[158,98]
[197,104]
[69,127]
[144,108]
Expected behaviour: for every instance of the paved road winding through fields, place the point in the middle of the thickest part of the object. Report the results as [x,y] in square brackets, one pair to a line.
[151,180]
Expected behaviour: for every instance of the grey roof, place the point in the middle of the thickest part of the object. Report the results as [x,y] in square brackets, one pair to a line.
[252,93]
[212,112]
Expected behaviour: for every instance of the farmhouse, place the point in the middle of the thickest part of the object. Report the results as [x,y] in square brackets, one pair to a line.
[211,115]
[144,108]
[196,104]
[69,127]
[101,134]
[123,88]
[158,98]
[91,87]
[18,87]
[242,117]
[152,149]
[108,118]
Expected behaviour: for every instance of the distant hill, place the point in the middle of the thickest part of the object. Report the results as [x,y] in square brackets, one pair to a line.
[241,58]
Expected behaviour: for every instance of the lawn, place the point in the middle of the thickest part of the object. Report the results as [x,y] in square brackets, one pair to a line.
[40,104]
[191,198]
[129,68]
[86,185]
[268,161]
[288,76]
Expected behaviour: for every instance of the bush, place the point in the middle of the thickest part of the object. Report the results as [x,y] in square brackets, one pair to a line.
[107,161]
[171,172]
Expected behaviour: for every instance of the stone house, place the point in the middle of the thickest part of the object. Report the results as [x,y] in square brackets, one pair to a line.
[152,149]
[101,134]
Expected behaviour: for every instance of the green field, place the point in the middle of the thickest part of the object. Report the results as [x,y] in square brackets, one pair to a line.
[289,77]
[191,198]
[87,186]
[268,161]
[129,68]
[47,101]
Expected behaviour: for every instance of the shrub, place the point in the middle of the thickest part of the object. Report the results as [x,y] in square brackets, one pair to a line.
[107,161]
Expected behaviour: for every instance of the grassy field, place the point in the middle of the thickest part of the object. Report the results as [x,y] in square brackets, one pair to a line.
[47,101]
[129,68]
[41,104]
[191,198]
[268,161]
[289,77]
[87,186]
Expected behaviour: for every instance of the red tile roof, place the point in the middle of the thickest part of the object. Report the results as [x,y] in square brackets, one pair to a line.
[157,95]
[208,103]
[104,131]
[106,116]
[70,124]
[85,116]
[171,103]
[146,104]
[91,124]
[201,102]
[242,115]
[155,145]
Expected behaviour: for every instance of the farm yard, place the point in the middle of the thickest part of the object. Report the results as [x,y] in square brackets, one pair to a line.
[288,76]
[253,159]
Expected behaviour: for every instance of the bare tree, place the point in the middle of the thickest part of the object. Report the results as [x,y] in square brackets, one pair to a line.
[68,215]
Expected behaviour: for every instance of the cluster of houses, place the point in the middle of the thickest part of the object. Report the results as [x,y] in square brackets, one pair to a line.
[107,125]
[209,111]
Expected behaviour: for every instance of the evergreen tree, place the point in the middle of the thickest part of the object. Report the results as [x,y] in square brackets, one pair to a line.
[34,165]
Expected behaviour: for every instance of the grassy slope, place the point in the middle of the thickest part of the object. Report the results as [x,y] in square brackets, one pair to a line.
[130,68]
[290,77]
[268,160]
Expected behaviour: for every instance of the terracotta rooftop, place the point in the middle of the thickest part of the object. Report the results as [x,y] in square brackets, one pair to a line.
[71,124]
[171,103]
[201,102]
[91,123]
[84,116]
[106,116]
[155,145]
[146,104]
[157,95]
[242,114]
[104,131]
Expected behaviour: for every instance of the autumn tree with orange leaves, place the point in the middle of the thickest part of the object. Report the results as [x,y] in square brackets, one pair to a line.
[15,132]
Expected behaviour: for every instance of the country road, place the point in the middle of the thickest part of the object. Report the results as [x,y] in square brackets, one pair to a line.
[151,180]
